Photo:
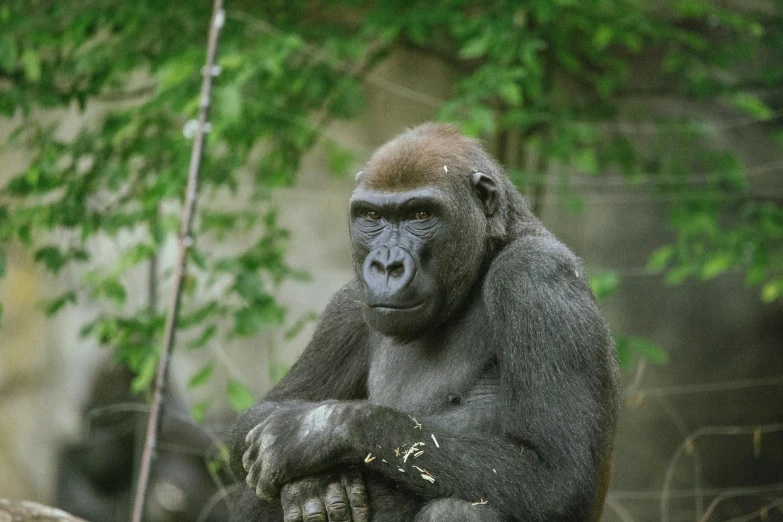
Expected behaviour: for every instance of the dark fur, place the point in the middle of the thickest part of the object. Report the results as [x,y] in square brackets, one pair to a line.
[508,363]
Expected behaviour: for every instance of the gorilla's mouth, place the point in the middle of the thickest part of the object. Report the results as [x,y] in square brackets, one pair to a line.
[395,306]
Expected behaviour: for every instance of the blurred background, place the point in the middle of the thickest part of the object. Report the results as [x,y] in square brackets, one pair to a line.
[646,134]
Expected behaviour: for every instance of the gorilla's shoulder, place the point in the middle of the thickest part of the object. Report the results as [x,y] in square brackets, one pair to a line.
[534,258]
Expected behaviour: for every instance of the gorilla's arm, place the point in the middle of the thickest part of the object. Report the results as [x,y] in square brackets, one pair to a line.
[556,371]
[333,366]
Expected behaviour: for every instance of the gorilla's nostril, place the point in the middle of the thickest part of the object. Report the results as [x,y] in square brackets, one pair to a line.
[377,267]
[396,270]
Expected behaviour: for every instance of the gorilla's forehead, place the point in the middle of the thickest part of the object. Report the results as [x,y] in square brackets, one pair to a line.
[396,199]
[428,155]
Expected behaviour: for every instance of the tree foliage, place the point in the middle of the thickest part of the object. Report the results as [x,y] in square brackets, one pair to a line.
[547,74]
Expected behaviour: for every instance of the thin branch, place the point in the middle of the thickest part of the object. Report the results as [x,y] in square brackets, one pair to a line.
[653,494]
[221,495]
[689,443]
[185,241]
[621,512]
[682,427]
[759,513]
[720,498]
[638,374]
[687,389]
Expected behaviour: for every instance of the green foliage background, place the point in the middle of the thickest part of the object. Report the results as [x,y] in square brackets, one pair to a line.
[546,73]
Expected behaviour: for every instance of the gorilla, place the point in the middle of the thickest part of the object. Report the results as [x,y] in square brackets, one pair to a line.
[95,475]
[464,374]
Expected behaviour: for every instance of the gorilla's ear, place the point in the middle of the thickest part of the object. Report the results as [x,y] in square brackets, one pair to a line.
[487,191]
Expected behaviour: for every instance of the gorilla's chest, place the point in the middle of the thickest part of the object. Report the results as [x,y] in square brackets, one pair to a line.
[454,379]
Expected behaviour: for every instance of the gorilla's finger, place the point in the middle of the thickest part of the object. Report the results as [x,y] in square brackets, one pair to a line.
[357,497]
[253,473]
[336,502]
[249,457]
[314,510]
[293,513]
[266,488]
[289,498]
[252,434]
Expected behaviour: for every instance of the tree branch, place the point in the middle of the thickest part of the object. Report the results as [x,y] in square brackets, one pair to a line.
[185,241]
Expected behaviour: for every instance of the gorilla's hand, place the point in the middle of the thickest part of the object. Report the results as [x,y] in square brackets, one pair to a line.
[332,497]
[295,442]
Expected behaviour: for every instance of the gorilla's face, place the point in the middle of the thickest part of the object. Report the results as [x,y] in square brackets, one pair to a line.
[421,216]
[417,252]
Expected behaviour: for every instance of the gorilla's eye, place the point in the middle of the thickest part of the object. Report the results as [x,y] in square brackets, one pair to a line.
[373,215]
[421,215]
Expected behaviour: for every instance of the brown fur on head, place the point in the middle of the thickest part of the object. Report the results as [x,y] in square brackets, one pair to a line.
[417,158]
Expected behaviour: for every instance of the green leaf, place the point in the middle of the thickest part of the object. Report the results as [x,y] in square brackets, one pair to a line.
[660,258]
[624,356]
[206,336]
[511,92]
[604,284]
[229,103]
[480,120]
[239,396]
[586,160]
[31,65]
[261,316]
[202,376]
[603,36]
[113,290]
[476,47]
[51,257]
[771,291]
[277,371]
[55,305]
[679,274]
[716,265]
[751,104]
[3,262]
[146,373]
[214,466]
[135,255]
[174,72]
[644,348]
[199,410]
[249,286]
[650,351]
[8,53]
[757,272]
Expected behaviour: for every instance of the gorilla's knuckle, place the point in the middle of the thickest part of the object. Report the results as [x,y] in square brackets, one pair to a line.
[360,514]
[315,516]
[292,491]
[252,477]
[358,498]
[337,510]
[293,514]
[251,435]
[249,458]
[266,491]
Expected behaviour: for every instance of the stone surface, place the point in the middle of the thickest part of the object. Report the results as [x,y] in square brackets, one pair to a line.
[25,511]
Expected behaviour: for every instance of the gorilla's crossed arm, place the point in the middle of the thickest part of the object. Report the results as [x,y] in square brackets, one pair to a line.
[465,374]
